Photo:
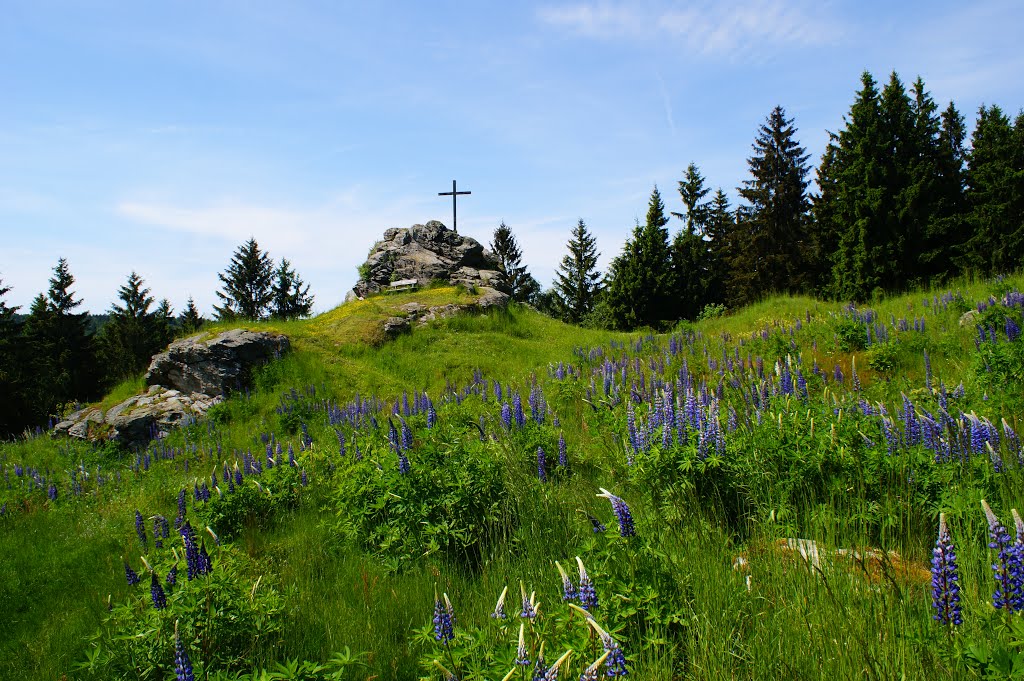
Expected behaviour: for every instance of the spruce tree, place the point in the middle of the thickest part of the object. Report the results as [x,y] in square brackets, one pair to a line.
[521,284]
[690,254]
[190,320]
[995,194]
[692,191]
[12,398]
[163,315]
[577,282]
[640,286]
[247,289]
[772,253]
[290,297]
[131,335]
[720,231]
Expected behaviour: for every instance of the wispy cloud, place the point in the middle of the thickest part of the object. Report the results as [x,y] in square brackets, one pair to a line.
[707,28]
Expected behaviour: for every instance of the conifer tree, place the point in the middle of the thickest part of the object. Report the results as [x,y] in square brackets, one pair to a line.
[690,254]
[190,320]
[247,289]
[163,315]
[995,194]
[773,248]
[12,398]
[577,282]
[692,191]
[720,232]
[290,296]
[522,286]
[640,286]
[131,336]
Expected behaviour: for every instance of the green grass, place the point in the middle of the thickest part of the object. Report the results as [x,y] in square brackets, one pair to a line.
[675,595]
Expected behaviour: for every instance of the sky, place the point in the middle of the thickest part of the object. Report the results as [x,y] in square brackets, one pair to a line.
[158,137]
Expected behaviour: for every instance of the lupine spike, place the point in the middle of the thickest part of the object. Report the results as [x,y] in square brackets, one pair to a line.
[499,607]
[945,578]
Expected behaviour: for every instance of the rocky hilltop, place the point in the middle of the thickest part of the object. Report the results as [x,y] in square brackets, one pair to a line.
[427,253]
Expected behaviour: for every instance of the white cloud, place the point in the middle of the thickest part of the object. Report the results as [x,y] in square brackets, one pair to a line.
[731,29]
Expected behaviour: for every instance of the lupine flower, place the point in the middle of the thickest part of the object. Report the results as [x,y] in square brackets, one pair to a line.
[596,524]
[157,593]
[529,611]
[1012,330]
[403,463]
[592,672]
[621,510]
[541,465]
[131,575]
[522,655]
[182,665]
[506,416]
[1017,597]
[616,660]
[569,592]
[140,527]
[499,607]
[446,673]
[563,453]
[551,673]
[51,492]
[444,627]
[1007,568]
[945,578]
[539,668]
[172,575]
[587,593]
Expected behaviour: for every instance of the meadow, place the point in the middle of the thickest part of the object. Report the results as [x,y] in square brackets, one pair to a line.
[754,496]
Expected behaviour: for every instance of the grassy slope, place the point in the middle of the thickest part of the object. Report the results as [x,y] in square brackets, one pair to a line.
[58,562]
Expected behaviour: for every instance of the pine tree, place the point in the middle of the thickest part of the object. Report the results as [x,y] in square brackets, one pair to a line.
[12,398]
[247,284]
[720,232]
[577,281]
[995,194]
[163,315]
[689,257]
[521,284]
[640,283]
[692,191]
[190,320]
[131,336]
[774,243]
[290,295]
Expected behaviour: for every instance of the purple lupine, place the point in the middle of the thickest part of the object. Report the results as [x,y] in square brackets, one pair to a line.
[131,575]
[156,592]
[182,665]
[406,435]
[506,415]
[191,551]
[927,371]
[1007,568]
[542,465]
[528,611]
[596,524]
[587,593]
[51,492]
[616,660]
[1017,596]
[157,537]
[172,575]
[181,509]
[403,463]
[945,578]
[522,655]
[1012,330]
[622,513]
[431,414]
[499,607]
[444,629]
[140,527]
[563,453]
[569,592]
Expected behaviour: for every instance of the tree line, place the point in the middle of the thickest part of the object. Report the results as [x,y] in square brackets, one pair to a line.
[50,359]
[901,201]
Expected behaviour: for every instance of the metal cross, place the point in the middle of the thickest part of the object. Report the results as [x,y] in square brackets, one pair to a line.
[453,194]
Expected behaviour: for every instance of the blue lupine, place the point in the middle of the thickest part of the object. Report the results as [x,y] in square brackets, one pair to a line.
[945,578]
[528,610]
[156,592]
[622,513]
[587,593]
[596,524]
[569,592]
[182,665]
[506,415]
[541,465]
[403,463]
[499,607]
[131,575]
[522,655]
[1007,568]
[172,575]
[1017,595]
[444,629]
[51,492]
[563,454]
[431,414]
[140,527]
[406,435]
[616,660]
[1012,330]
[927,371]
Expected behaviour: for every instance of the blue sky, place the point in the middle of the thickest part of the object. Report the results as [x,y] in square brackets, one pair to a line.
[157,137]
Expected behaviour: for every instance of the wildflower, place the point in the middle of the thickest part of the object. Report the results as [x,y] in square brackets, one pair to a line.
[563,454]
[591,672]
[539,668]
[403,463]
[1012,330]
[522,656]
[529,611]
[157,593]
[51,492]
[622,514]
[131,575]
[444,629]
[506,416]
[499,607]
[616,661]
[551,673]
[446,674]
[172,575]
[140,527]
[1007,569]
[587,593]
[541,465]
[182,665]
[945,578]
[1017,597]
[569,592]
[596,524]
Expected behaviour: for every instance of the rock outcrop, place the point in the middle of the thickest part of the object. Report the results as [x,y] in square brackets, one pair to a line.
[428,253]
[194,374]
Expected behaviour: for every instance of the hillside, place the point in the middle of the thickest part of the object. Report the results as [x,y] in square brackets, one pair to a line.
[774,482]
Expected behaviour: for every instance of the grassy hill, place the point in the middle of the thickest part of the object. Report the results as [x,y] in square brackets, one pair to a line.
[783,469]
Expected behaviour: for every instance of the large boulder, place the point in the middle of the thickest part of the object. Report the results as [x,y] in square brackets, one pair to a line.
[194,374]
[214,367]
[427,253]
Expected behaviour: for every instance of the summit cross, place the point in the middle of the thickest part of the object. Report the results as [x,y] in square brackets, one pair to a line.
[453,193]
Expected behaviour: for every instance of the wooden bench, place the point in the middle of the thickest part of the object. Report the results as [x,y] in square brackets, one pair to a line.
[402,285]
